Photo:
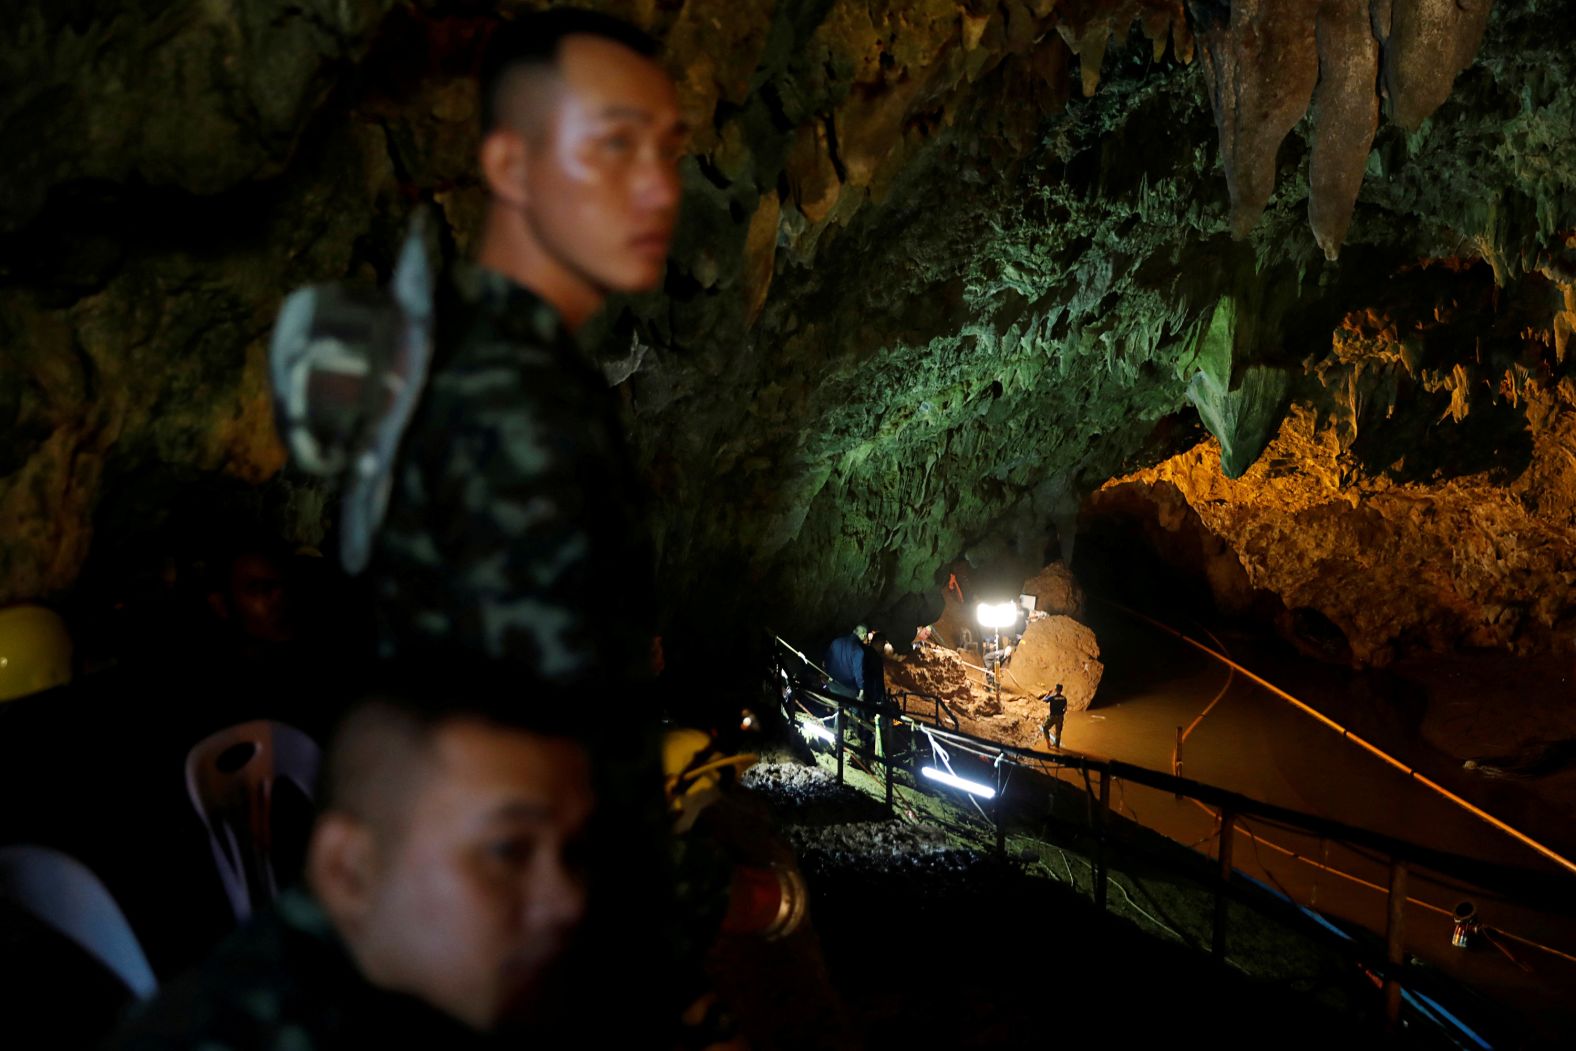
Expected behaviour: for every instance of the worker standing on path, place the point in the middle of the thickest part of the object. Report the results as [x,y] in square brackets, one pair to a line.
[1055,716]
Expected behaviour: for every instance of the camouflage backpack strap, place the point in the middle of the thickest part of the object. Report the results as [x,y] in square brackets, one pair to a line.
[347,368]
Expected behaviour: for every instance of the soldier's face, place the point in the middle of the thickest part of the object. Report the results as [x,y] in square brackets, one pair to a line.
[602,171]
[257,599]
[477,897]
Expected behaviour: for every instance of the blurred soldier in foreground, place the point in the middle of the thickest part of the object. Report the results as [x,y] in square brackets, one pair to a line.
[515,528]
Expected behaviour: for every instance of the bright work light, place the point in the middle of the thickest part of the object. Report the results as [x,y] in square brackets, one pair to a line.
[997,614]
[971,787]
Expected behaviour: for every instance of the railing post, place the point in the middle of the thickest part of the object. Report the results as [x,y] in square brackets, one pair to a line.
[886,757]
[1227,837]
[1176,763]
[1001,827]
[837,731]
[1102,818]
[1393,935]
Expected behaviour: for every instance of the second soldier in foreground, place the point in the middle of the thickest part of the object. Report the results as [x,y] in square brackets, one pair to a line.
[444,888]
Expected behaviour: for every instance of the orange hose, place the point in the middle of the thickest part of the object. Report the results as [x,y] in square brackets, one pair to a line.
[1475,811]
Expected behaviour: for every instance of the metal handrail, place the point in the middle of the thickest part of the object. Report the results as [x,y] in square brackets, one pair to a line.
[940,705]
[1546,891]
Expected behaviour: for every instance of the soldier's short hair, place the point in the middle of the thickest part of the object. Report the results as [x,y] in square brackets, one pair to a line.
[533,40]
[377,749]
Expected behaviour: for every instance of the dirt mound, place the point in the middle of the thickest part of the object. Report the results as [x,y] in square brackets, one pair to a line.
[931,670]
[1058,650]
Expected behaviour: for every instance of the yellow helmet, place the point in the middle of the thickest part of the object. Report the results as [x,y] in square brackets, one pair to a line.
[35,651]
[693,770]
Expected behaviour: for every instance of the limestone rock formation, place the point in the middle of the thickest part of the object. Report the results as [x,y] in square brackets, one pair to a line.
[1262,74]
[1345,117]
[196,97]
[1266,61]
[1426,43]
[928,294]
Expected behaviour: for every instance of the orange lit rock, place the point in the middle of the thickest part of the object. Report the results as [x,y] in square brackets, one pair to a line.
[933,671]
[1471,561]
[811,174]
[1055,650]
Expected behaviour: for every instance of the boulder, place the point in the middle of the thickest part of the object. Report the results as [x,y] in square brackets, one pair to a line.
[1056,591]
[1053,650]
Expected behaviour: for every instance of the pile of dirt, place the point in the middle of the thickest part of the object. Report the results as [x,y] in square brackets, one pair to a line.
[1057,650]
[790,783]
[934,671]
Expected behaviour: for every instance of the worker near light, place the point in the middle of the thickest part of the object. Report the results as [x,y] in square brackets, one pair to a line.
[998,654]
[996,616]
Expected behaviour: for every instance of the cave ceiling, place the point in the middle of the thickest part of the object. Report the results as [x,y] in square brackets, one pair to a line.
[946,269]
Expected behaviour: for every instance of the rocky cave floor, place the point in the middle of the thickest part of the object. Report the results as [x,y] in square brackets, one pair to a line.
[931,938]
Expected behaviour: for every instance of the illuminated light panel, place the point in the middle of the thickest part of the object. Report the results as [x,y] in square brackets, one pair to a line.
[971,787]
[814,731]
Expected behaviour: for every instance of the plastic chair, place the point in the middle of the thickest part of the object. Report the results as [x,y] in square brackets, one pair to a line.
[63,894]
[230,777]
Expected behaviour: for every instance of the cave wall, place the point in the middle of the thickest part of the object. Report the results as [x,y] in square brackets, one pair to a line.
[944,268]
[1420,494]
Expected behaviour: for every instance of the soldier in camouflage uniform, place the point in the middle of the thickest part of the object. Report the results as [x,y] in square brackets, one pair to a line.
[443,889]
[515,528]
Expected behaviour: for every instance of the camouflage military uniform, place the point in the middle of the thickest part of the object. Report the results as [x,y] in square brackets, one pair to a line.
[515,531]
[515,526]
[286,984]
